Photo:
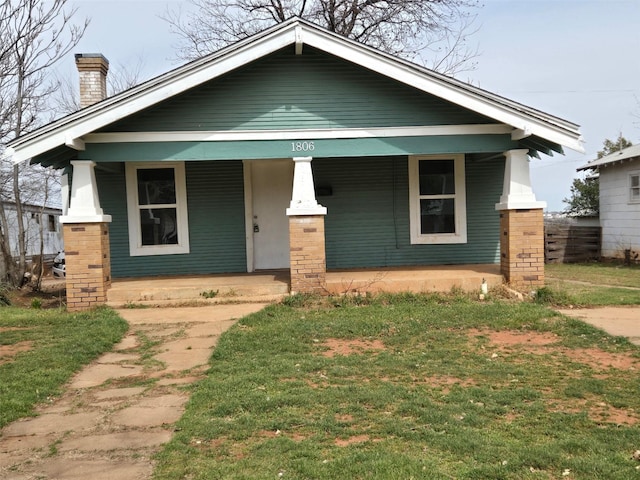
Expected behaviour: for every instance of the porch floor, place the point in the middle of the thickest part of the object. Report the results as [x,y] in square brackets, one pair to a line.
[273,285]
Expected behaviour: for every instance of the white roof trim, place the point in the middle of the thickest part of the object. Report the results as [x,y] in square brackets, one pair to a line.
[441,87]
[296,134]
[619,156]
[292,32]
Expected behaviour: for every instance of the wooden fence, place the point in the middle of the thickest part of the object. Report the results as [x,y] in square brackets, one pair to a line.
[564,243]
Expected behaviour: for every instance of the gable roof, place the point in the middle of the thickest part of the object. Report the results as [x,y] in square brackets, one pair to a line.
[69,130]
[629,153]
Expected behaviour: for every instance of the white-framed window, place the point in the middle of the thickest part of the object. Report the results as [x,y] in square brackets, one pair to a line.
[437,199]
[634,187]
[157,208]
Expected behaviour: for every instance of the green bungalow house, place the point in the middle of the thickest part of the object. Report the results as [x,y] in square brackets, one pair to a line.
[295,149]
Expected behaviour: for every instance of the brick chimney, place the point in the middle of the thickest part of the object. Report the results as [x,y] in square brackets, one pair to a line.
[93,68]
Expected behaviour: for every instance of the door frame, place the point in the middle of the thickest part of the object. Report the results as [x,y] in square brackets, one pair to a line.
[248,209]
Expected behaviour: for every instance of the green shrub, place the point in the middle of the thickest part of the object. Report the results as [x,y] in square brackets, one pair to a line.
[549,296]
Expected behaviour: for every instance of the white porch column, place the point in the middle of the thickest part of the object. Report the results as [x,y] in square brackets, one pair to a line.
[521,225]
[86,242]
[306,232]
[303,196]
[516,191]
[85,203]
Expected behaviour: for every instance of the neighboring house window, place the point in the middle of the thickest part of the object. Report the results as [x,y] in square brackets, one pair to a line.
[437,203]
[157,208]
[634,187]
[51,223]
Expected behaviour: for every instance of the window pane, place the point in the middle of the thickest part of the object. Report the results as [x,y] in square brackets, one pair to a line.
[635,180]
[159,226]
[437,216]
[156,186]
[437,177]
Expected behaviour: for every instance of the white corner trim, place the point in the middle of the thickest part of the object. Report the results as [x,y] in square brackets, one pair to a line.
[9,154]
[519,134]
[75,143]
[248,214]
[298,39]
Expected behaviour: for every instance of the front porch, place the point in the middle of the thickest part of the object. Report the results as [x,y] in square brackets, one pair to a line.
[273,285]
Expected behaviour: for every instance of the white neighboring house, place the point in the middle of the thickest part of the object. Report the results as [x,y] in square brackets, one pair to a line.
[619,202]
[37,218]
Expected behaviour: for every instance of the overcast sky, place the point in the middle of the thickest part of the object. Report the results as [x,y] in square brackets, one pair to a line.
[576,59]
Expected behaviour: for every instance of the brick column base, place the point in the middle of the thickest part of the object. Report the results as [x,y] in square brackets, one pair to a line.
[307,254]
[522,248]
[87,264]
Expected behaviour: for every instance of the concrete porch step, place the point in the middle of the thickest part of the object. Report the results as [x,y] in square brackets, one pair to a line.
[274,285]
[201,288]
[414,279]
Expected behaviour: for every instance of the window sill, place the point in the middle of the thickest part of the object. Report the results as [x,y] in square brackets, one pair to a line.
[438,239]
[159,250]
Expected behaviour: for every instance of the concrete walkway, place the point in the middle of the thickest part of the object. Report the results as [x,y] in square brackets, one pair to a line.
[618,321]
[118,411]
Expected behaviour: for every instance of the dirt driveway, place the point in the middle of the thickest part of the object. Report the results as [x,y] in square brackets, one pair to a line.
[618,321]
[118,411]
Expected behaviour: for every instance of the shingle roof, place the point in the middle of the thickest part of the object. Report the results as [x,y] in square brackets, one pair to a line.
[619,156]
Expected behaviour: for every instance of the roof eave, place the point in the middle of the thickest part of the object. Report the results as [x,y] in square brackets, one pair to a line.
[150,93]
[525,121]
[626,154]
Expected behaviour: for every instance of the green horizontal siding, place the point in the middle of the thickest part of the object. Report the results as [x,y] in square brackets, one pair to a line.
[367,224]
[313,90]
[215,197]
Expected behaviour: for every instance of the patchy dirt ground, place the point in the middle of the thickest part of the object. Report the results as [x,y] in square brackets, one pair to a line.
[119,410]
[7,352]
[336,346]
[545,343]
[51,294]
[617,321]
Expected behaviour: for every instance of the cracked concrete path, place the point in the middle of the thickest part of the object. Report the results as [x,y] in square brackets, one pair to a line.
[618,321]
[118,411]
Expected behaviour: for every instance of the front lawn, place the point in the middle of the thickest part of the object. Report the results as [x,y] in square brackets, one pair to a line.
[593,284]
[41,349]
[411,387]
[597,273]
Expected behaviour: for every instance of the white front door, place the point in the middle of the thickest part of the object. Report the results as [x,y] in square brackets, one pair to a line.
[271,182]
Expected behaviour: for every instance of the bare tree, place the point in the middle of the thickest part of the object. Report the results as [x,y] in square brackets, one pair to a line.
[34,35]
[434,32]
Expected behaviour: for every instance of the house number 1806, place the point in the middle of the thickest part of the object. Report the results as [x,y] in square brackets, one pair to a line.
[303,146]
